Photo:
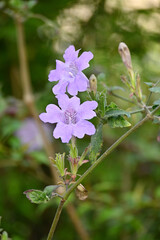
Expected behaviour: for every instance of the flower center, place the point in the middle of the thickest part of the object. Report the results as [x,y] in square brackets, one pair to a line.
[72,70]
[70,116]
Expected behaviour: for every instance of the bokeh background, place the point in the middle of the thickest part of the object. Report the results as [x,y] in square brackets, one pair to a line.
[124,191]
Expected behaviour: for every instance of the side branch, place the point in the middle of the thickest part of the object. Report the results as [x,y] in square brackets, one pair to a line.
[107,152]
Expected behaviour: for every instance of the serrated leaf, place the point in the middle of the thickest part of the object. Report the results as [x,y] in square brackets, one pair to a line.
[112,106]
[36,196]
[150,84]
[157,102]
[115,122]
[96,144]
[102,102]
[155,89]
[113,111]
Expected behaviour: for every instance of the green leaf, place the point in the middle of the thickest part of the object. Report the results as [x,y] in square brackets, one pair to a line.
[114,116]
[155,89]
[50,190]
[157,102]
[156,120]
[113,111]
[59,163]
[4,236]
[96,144]
[119,121]
[116,113]
[102,102]
[150,84]
[9,126]
[112,106]
[31,3]
[16,3]
[36,196]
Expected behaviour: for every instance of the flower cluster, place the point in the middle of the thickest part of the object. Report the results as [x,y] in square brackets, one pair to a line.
[71,117]
[69,74]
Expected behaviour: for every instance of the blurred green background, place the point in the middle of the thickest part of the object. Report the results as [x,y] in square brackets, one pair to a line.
[124,191]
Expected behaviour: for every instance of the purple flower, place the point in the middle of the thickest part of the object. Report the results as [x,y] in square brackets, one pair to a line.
[29,135]
[71,118]
[70,73]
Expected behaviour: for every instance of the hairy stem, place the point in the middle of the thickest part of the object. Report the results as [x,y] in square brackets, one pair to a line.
[55,220]
[120,97]
[140,110]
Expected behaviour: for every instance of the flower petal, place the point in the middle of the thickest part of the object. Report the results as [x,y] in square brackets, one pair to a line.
[63,101]
[81,82]
[83,127]
[60,87]
[53,76]
[70,54]
[74,103]
[60,66]
[63,131]
[85,110]
[53,114]
[82,61]
[72,88]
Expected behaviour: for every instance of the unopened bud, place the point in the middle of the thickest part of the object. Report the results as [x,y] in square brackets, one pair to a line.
[126,58]
[81,192]
[125,55]
[58,162]
[93,83]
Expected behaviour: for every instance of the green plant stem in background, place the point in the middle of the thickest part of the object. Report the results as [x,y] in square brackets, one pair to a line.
[140,110]
[89,170]
[120,97]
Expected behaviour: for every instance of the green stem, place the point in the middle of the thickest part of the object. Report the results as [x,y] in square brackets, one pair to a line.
[139,110]
[120,97]
[55,220]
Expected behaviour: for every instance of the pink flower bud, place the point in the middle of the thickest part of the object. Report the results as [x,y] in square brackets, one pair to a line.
[125,55]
